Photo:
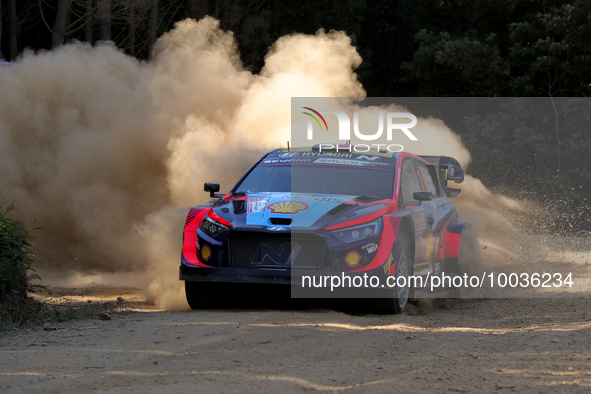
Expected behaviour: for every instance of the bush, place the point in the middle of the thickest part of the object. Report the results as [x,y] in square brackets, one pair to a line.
[15,267]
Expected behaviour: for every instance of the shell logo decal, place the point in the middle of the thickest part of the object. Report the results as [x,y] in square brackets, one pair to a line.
[205,252]
[288,207]
[352,258]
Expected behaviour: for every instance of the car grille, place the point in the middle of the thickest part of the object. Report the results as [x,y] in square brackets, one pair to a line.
[262,250]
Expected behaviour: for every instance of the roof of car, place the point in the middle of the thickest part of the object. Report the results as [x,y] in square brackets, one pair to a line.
[341,149]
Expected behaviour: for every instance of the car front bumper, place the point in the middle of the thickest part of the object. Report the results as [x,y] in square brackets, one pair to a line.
[284,277]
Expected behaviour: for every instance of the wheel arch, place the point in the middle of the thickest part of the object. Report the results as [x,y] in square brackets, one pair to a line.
[407,233]
[407,229]
[452,237]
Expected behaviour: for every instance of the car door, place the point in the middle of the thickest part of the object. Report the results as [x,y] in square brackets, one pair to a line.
[436,214]
[409,184]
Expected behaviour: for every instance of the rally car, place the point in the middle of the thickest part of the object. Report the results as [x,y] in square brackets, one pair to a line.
[325,211]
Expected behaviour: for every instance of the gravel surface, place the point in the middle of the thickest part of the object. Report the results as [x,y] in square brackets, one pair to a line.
[499,345]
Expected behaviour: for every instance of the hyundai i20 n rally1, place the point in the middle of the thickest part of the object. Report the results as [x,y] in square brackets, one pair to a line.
[317,212]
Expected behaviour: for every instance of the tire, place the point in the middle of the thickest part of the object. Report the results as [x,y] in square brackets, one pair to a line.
[404,263]
[198,295]
[469,259]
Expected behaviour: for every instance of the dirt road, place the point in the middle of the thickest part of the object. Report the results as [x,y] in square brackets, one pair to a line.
[518,345]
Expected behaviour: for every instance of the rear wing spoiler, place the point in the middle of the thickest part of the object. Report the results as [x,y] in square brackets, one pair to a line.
[448,169]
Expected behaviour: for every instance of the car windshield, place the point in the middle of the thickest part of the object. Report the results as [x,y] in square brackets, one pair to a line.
[319,179]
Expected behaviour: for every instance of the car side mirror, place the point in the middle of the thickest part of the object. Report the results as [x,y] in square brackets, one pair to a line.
[212,188]
[422,196]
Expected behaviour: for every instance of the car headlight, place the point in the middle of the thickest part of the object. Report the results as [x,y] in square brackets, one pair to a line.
[357,233]
[212,228]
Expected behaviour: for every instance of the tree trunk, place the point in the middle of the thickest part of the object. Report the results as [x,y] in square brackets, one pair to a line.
[198,8]
[12,35]
[225,17]
[105,29]
[152,28]
[88,21]
[1,55]
[61,23]
[132,30]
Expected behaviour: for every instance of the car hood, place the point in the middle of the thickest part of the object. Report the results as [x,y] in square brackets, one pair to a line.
[305,210]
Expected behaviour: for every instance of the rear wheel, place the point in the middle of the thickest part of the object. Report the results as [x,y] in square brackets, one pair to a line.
[403,269]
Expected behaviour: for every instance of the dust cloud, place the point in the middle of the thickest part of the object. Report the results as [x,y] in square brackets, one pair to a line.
[503,235]
[106,153]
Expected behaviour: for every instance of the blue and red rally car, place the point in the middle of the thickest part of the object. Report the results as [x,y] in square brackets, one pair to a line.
[319,211]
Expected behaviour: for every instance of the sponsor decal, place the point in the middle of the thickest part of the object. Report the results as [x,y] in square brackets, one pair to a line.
[205,252]
[370,204]
[396,187]
[278,195]
[370,247]
[430,245]
[388,264]
[257,205]
[348,162]
[321,198]
[288,207]
[420,222]
[331,154]
[352,258]
[286,161]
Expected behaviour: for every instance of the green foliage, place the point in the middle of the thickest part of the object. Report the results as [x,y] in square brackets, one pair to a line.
[410,48]
[457,66]
[550,51]
[257,25]
[15,264]
[504,49]
[537,148]
[517,48]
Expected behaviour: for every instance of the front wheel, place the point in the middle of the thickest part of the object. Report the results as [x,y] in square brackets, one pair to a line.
[403,268]
[198,295]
